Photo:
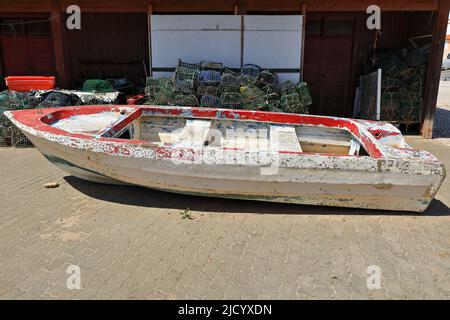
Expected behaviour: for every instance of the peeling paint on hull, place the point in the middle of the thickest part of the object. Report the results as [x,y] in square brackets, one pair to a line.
[392,181]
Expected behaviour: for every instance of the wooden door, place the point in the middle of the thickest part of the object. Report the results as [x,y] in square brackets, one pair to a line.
[27,47]
[327,63]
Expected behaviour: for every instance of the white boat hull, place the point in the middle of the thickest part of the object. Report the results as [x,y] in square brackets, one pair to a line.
[299,159]
[370,186]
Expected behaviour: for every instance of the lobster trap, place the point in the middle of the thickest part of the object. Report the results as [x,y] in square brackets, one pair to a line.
[10,135]
[252,98]
[251,70]
[410,105]
[231,100]
[186,65]
[303,91]
[268,89]
[206,89]
[286,85]
[209,76]
[4,129]
[58,99]
[210,65]
[390,106]
[211,84]
[210,101]
[186,86]
[184,99]
[389,83]
[291,103]
[18,139]
[163,95]
[230,83]
[154,85]
[12,100]
[4,136]
[186,76]
[246,80]
[266,77]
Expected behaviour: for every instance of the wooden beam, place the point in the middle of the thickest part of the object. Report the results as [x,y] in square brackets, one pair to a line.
[2,69]
[340,5]
[27,6]
[149,37]
[108,5]
[57,26]
[434,68]
[302,54]
[241,8]
[216,5]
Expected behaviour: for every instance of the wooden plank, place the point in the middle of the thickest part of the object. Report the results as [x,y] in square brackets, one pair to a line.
[27,6]
[217,6]
[109,5]
[327,142]
[284,138]
[194,134]
[168,137]
[341,6]
[434,68]
[302,54]
[149,37]
[324,148]
[58,44]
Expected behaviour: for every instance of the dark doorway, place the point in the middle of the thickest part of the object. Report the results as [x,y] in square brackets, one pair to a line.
[328,62]
[26,47]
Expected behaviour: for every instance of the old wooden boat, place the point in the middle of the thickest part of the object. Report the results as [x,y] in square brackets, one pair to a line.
[237,154]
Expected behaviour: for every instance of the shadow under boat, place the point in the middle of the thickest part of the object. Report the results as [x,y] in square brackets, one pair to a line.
[144,197]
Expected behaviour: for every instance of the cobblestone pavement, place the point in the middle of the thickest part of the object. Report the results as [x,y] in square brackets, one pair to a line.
[133,243]
[442,117]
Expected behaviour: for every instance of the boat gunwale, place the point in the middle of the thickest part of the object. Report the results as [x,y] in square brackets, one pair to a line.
[42,122]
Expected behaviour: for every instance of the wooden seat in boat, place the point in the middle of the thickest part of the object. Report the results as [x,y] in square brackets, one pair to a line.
[284,138]
[194,134]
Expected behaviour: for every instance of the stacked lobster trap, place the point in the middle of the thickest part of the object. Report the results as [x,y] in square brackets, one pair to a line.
[402,85]
[10,135]
[210,84]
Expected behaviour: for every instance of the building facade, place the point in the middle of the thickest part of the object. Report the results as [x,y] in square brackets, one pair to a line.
[114,41]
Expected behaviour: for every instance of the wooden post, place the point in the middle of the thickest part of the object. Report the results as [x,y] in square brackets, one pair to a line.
[434,68]
[241,8]
[302,50]
[242,40]
[58,44]
[149,37]
[2,70]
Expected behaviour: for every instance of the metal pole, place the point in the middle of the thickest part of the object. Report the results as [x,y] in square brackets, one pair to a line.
[379,94]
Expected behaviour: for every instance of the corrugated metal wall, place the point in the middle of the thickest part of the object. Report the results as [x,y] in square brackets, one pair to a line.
[109,45]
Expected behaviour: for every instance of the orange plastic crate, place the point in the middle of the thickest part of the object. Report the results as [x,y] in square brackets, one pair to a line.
[28,83]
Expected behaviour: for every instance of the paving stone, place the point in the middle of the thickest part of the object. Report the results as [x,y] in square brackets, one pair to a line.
[128,246]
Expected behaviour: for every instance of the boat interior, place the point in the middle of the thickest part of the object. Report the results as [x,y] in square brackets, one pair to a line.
[188,131]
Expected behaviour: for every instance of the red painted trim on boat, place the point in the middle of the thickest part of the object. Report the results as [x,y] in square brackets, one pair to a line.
[41,119]
[109,132]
